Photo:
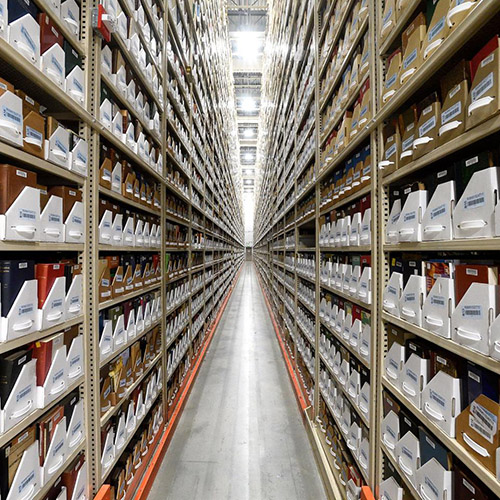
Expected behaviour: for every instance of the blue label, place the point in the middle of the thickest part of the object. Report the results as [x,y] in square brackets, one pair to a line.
[34,134]
[11,115]
[28,38]
[77,84]
[61,146]
[56,64]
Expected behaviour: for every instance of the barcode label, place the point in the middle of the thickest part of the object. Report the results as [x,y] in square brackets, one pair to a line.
[410,297]
[436,29]
[432,486]
[395,218]
[408,143]
[438,211]
[437,398]
[485,422]
[410,59]
[407,452]
[28,38]
[391,81]
[411,374]
[483,87]
[26,481]
[392,290]
[24,213]
[56,65]
[54,218]
[25,309]
[451,112]
[472,312]
[11,115]
[409,216]
[437,300]
[488,60]
[475,201]
[23,393]
[427,126]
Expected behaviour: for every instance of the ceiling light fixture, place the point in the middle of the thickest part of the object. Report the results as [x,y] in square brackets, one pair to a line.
[248,133]
[248,156]
[248,104]
[248,44]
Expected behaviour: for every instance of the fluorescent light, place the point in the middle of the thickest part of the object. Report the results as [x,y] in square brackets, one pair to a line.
[248,44]
[248,156]
[248,133]
[248,104]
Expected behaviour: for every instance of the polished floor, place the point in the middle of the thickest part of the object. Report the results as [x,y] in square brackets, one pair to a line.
[241,435]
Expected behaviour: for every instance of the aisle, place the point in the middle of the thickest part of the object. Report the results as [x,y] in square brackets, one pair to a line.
[241,436]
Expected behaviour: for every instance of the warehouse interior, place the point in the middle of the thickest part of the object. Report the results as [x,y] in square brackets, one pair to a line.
[249,249]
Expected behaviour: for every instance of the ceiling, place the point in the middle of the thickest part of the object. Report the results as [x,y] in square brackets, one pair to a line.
[247,23]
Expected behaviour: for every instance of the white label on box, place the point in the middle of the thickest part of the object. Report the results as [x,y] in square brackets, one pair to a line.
[391,81]
[437,398]
[437,300]
[483,421]
[390,151]
[410,216]
[410,297]
[474,201]
[27,214]
[412,57]
[472,161]
[487,60]
[12,115]
[427,126]
[25,309]
[436,29]
[472,312]
[438,211]
[451,112]
[483,87]
[431,485]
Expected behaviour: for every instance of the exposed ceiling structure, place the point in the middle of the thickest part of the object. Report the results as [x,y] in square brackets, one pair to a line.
[247,23]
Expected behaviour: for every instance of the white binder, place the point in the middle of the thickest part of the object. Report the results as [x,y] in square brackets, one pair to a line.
[129,233]
[75,224]
[28,478]
[390,432]
[412,299]
[56,453]
[410,221]
[75,360]
[81,488]
[408,456]
[70,14]
[364,291]
[392,294]
[73,302]
[24,36]
[11,123]
[434,481]
[121,433]
[414,378]
[119,333]
[389,488]
[365,400]
[355,230]
[394,360]
[441,401]
[474,214]
[437,222]
[392,227]
[117,231]
[57,147]
[473,316]
[56,380]
[21,221]
[52,65]
[76,428]
[108,453]
[439,306]
[365,235]
[78,159]
[22,399]
[53,311]
[106,341]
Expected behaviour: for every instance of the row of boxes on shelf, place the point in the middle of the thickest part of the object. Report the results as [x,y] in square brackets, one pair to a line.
[26,467]
[423,36]
[131,460]
[352,375]
[360,60]
[124,273]
[177,352]
[305,320]
[121,373]
[43,136]
[350,424]
[305,265]
[176,322]
[34,35]
[177,208]
[118,175]
[122,426]
[308,177]
[455,299]
[349,322]
[307,294]
[176,149]
[354,175]
[451,394]
[26,127]
[348,227]
[121,324]
[129,131]
[128,30]
[352,122]
[39,373]
[177,292]
[33,212]
[38,296]
[455,202]
[307,356]
[178,179]
[120,226]
[424,460]
[177,264]
[349,274]
[176,235]
[339,453]
[128,86]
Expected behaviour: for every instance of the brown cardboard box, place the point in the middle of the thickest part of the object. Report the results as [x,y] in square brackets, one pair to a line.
[389,19]
[69,196]
[484,96]
[455,90]
[33,126]
[391,148]
[459,10]
[105,292]
[478,431]
[105,172]
[412,38]
[429,112]
[391,83]
[437,30]
[408,121]
[12,182]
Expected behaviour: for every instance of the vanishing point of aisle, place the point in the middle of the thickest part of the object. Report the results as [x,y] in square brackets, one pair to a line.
[241,436]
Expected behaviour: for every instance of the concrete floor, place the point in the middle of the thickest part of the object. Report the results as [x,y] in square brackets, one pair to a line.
[241,435]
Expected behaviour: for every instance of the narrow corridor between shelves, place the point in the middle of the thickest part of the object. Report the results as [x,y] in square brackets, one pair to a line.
[241,435]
